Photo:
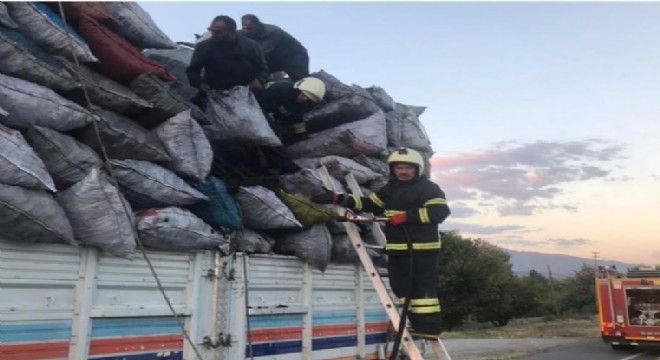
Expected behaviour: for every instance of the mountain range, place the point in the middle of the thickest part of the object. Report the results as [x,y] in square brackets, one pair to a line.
[560,265]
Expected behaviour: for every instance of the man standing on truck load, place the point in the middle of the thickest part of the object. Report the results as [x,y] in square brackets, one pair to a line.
[414,206]
[228,59]
[284,104]
[283,52]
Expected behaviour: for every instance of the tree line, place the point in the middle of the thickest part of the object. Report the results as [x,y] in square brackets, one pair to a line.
[477,283]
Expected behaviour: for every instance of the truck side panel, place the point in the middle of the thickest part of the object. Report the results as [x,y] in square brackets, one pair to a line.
[63,302]
[296,312]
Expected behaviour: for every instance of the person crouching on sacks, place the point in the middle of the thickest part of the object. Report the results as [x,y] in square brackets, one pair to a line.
[284,104]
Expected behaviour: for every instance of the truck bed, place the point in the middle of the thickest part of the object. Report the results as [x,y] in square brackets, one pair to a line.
[59,302]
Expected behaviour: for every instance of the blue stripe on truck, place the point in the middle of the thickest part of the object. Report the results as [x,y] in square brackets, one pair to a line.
[287,347]
[334,317]
[134,326]
[282,347]
[171,355]
[334,342]
[44,331]
[375,316]
[377,338]
[270,321]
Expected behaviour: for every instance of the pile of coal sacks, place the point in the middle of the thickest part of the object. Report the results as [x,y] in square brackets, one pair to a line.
[180,177]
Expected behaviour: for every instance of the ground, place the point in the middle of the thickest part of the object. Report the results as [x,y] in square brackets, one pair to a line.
[561,328]
[517,340]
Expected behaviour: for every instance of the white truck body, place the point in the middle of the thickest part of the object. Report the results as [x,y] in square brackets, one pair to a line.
[63,302]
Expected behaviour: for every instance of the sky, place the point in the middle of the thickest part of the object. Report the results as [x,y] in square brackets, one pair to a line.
[544,117]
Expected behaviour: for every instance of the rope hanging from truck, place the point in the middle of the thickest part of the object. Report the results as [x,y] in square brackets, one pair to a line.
[115,182]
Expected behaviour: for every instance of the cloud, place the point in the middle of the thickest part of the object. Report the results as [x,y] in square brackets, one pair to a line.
[516,241]
[524,242]
[457,193]
[522,208]
[525,178]
[622,178]
[567,243]
[461,210]
[476,229]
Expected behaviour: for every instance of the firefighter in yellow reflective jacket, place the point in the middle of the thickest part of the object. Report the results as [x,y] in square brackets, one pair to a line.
[284,103]
[414,206]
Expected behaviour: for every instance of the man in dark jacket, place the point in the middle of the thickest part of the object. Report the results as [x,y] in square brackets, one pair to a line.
[283,52]
[414,206]
[284,103]
[228,59]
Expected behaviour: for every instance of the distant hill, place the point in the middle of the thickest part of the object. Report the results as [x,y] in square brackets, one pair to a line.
[561,265]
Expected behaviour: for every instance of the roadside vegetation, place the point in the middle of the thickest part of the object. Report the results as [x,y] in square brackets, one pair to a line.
[477,285]
[572,328]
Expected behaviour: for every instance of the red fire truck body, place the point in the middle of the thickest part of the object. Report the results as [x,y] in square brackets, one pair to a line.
[629,306]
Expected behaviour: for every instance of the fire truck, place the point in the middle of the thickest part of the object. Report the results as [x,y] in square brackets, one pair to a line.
[629,306]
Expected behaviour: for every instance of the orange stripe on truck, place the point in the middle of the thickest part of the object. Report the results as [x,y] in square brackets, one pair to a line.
[35,351]
[131,344]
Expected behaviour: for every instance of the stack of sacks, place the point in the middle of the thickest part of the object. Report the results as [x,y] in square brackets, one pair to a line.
[161,146]
[355,128]
[55,187]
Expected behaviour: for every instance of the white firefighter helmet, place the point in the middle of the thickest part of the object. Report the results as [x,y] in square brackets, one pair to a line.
[312,87]
[409,156]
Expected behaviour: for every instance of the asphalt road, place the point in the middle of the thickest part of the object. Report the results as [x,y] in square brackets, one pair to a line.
[544,349]
[470,348]
[595,350]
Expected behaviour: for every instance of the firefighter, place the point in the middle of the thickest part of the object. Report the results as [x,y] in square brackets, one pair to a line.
[414,206]
[227,59]
[284,103]
[283,52]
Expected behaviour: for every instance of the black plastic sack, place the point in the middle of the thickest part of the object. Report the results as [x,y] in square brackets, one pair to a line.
[405,130]
[382,98]
[334,89]
[123,138]
[235,117]
[137,26]
[19,163]
[67,159]
[187,145]
[166,103]
[344,252]
[177,229]
[103,91]
[32,104]
[99,214]
[5,19]
[147,185]
[349,108]
[40,23]
[252,242]
[33,216]
[175,61]
[313,246]
[21,57]
[366,136]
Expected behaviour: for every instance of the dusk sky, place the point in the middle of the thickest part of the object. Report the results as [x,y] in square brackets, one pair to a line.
[544,116]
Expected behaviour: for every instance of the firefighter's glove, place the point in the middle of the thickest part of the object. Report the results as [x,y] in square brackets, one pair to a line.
[328,197]
[397,219]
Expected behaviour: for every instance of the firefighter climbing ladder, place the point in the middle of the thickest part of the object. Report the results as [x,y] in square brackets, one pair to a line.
[406,341]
